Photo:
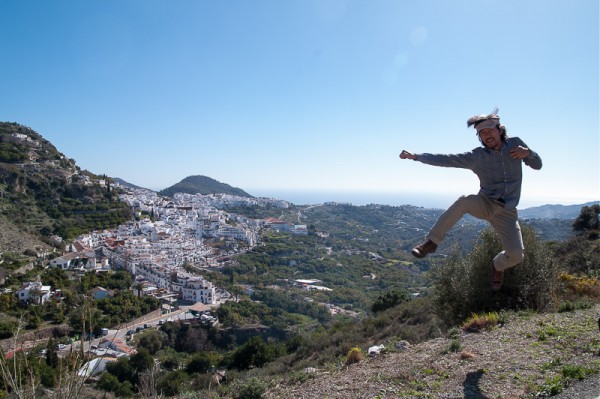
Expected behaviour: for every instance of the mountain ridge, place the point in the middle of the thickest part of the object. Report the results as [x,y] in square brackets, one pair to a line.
[554,211]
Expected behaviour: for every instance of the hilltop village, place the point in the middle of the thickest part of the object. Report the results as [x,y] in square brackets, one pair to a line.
[172,241]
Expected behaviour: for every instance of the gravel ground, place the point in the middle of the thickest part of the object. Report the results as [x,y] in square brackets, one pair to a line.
[524,358]
[586,389]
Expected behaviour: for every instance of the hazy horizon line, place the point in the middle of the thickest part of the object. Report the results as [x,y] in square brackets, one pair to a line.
[393,198]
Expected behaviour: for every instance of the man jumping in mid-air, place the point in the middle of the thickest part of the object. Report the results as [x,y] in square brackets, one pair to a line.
[498,165]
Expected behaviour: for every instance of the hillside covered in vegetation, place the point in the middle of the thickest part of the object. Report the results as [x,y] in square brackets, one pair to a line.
[202,185]
[46,195]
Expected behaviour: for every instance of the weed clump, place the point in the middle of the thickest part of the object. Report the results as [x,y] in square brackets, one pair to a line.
[355,355]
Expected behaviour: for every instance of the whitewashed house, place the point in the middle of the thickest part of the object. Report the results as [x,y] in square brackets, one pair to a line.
[34,292]
[65,261]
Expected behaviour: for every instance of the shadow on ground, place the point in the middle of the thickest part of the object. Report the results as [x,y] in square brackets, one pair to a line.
[471,388]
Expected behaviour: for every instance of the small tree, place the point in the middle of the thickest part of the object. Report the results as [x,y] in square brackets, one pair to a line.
[172,382]
[151,340]
[199,363]
[588,221]
[139,363]
[139,286]
[254,353]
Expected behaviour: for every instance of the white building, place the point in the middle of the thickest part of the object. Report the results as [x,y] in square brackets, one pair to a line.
[64,262]
[80,261]
[34,291]
[197,289]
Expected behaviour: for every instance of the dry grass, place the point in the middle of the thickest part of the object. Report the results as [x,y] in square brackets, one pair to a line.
[481,322]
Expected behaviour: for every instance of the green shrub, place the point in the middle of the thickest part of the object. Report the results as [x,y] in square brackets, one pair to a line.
[552,386]
[454,333]
[173,382]
[455,346]
[461,284]
[568,306]
[389,300]
[254,389]
[555,385]
[572,372]
[7,329]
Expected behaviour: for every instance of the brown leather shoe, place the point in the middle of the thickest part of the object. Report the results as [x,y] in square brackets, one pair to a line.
[497,279]
[421,250]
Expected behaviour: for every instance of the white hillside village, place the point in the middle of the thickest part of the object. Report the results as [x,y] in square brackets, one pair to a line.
[179,236]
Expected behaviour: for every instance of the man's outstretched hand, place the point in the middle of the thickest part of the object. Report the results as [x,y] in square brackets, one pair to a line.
[407,155]
[519,152]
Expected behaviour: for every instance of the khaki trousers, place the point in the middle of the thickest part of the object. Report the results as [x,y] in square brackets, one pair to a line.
[504,221]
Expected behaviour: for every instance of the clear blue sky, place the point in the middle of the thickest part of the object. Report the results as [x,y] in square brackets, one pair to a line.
[276,95]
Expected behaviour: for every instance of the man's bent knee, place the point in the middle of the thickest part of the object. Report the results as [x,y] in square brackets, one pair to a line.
[466,199]
[507,259]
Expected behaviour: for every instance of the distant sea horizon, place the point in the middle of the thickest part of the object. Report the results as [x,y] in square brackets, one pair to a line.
[312,197]
[360,198]
[424,200]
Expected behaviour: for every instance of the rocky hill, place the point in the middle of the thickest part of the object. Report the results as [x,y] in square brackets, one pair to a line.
[202,185]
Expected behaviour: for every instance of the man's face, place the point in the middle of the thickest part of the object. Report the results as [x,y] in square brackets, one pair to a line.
[490,137]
